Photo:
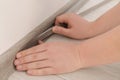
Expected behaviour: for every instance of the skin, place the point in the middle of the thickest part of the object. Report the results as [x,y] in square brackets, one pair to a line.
[103,49]
[79,28]
[46,57]
[63,57]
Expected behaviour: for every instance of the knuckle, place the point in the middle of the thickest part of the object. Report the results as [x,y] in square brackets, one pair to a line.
[60,30]
[22,60]
[71,15]
[58,17]
[25,67]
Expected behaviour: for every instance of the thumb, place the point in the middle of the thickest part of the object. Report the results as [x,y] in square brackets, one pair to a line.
[40,42]
[60,30]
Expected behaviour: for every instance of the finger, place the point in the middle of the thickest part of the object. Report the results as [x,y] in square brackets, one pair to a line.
[30,58]
[40,42]
[41,72]
[61,30]
[34,65]
[36,49]
[62,19]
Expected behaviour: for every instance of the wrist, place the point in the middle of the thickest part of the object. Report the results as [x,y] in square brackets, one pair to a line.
[82,60]
[98,27]
[90,31]
[87,58]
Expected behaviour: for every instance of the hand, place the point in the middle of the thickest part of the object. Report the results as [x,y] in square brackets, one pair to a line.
[78,28]
[49,58]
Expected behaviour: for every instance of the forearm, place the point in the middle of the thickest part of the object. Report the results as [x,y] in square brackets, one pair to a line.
[106,22]
[103,49]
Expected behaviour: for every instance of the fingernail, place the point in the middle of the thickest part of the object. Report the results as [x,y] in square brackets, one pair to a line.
[19,67]
[54,29]
[18,55]
[29,71]
[17,62]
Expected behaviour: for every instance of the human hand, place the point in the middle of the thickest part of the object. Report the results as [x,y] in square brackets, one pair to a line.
[49,58]
[78,28]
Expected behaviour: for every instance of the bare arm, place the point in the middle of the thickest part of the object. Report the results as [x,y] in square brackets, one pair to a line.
[108,21]
[103,49]
[49,58]
[79,28]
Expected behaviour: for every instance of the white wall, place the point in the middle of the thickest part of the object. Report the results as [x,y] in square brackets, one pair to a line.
[19,17]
